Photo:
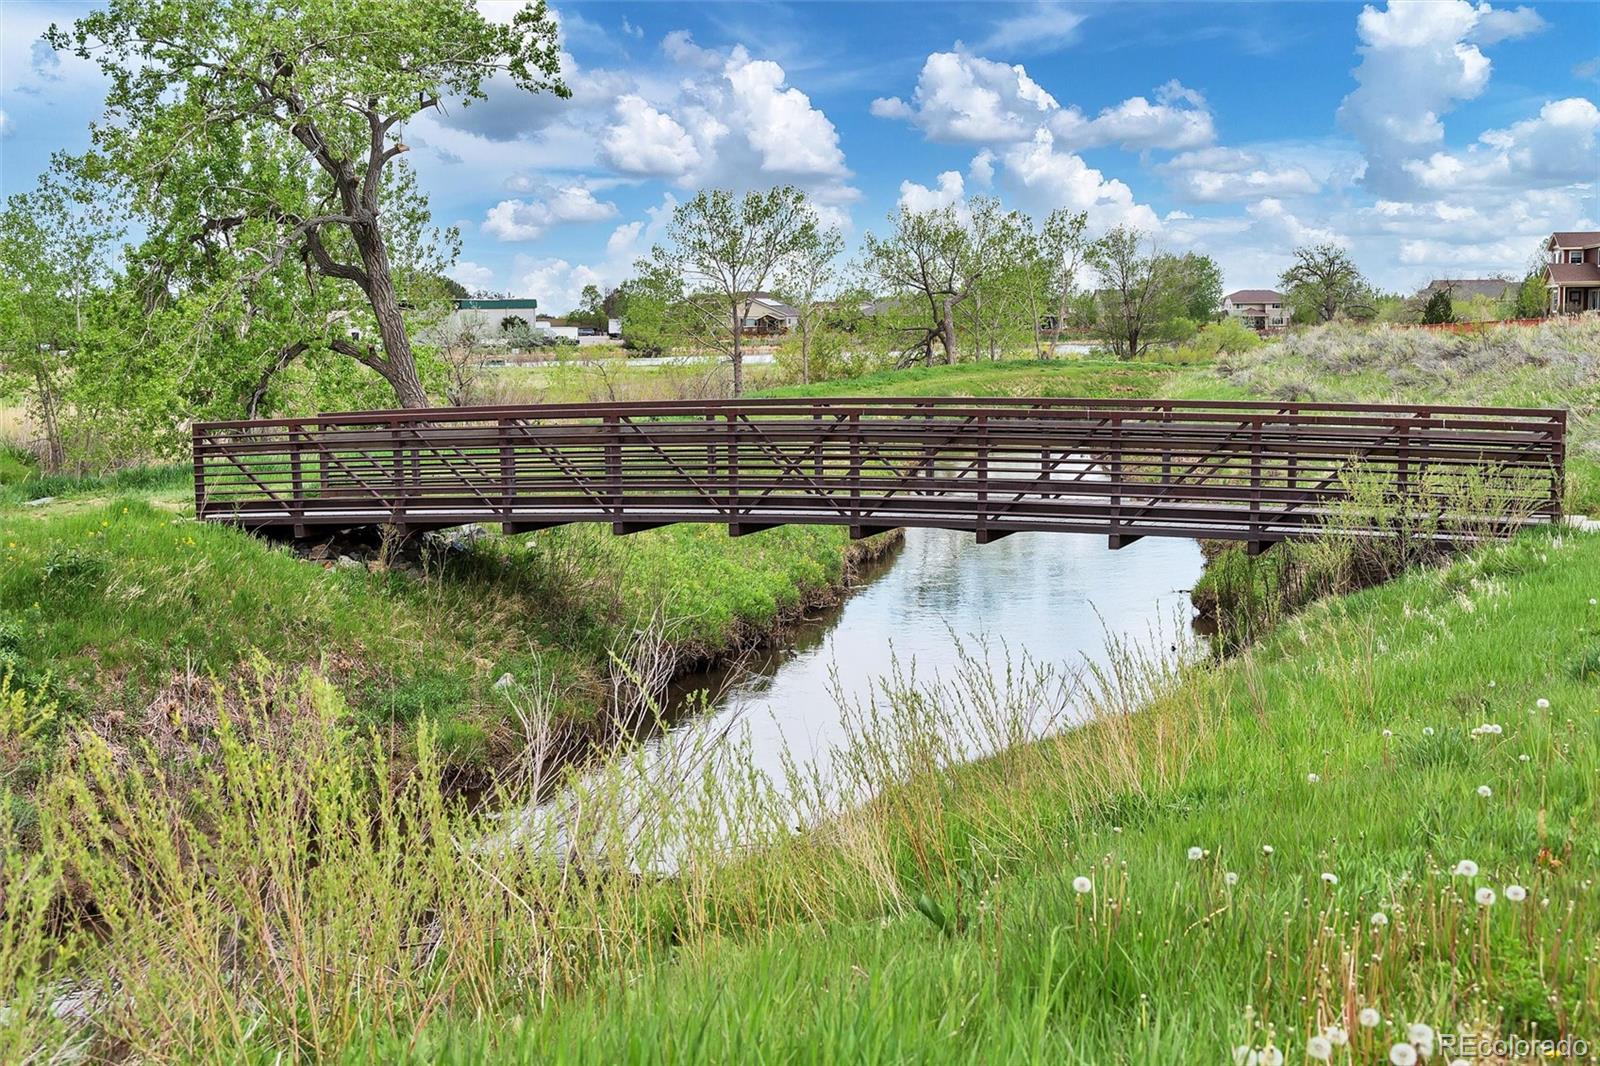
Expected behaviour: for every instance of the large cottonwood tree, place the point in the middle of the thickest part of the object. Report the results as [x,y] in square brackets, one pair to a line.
[253,135]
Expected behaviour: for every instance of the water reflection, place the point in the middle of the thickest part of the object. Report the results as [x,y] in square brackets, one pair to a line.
[1057,597]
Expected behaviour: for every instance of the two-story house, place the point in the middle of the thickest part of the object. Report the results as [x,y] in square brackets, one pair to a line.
[1258,308]
[1572,274]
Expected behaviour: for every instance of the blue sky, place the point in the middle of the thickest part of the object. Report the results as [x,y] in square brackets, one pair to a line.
[1435,138]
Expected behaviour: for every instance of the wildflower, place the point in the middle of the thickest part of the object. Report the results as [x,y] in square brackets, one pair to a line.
[1422,1036]
[1337,1036]
[1230,878]
[1403,1055]
[1266,849]
[1245,1055]
[1369,1017]
[1332,879]
[1196,854]
[1116,829]
[1427,730]
[1523,757]
[1542,703]
[1484,896]
[1485,791]
[1313,778]
[1379,918]
[1081,884]
[1387,733]
[1319,1048]
[1466,868]
[1516,893]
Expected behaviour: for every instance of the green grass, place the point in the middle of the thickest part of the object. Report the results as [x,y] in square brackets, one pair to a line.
[1163,961]
[123,603]
[937,922]
[1018,377]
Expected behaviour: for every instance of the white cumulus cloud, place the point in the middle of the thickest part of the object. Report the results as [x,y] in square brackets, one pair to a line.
[1419,59]
[646,141]
[1557,147]
[525,220]
[1178,119]
[966,99]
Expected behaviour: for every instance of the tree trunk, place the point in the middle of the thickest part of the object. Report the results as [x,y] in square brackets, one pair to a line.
[947,331]
[738,350]
[399,367]
[805,354]
[55,451]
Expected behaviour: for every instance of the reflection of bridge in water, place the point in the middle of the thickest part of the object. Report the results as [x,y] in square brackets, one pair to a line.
[1253,472]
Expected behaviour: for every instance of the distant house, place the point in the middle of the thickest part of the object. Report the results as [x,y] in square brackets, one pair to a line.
[1572,272]
[764,316]
[1257,308]
[1467,288]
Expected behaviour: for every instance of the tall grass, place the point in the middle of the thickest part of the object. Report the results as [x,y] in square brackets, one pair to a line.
[1373,530]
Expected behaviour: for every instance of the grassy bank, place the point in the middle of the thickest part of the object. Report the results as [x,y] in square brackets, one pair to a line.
[124,609]
[1243,855]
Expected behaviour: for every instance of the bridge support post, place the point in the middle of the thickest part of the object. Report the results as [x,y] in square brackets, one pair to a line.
[861,532]
[1118,541]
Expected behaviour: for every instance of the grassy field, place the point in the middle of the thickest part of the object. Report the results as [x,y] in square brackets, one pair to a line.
[1252,854]
[1389,805]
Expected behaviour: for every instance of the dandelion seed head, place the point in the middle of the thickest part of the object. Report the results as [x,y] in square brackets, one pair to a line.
[1419,1033]
[1403,1055]
[1466,868]
[1337,1036]
[1196,854]
[1369,1017]
[1266,849]
[1516,893]
[1313,778]
[1330,878]
[1542,703]
[1485,791]
[1230,878]
[1379,918]
[1427,730]
[1319,1048]
[1484,896]
[1081,884]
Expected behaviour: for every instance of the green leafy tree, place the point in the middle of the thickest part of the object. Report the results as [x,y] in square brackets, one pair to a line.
[1061,245]
[1197,287]
[1438,308]
[720,250]
[1323,283]
[1139,299]
[806,282]
[55,261]
[919,274]
[266,134]
[1533,299]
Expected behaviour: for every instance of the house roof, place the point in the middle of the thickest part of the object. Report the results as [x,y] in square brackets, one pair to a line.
[1495,288]
[1254,296]
[1581,238]
[528,304]
[1573,273]
[776,307]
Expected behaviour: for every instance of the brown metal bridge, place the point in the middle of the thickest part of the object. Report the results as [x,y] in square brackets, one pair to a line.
[1253,472]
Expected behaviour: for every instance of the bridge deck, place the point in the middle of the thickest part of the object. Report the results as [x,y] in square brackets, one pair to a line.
[1257,472]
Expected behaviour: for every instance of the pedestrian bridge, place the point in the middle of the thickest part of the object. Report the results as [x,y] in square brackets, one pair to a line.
[1245,471]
